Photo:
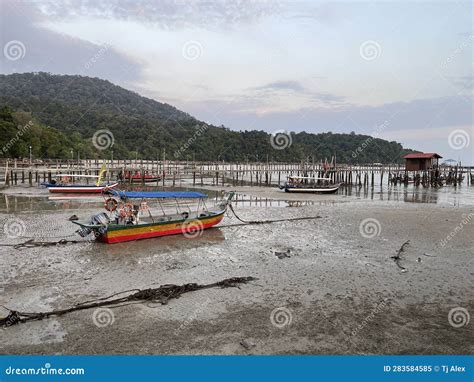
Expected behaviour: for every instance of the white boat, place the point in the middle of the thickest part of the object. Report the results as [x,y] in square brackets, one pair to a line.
[309,184]
[63,184]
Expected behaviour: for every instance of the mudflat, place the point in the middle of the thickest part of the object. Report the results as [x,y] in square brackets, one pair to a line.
[328,285]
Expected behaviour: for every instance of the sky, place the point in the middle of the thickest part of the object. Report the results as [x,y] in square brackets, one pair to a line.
[398,70]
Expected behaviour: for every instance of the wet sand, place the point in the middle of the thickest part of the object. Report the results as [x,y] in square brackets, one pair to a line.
[325,286]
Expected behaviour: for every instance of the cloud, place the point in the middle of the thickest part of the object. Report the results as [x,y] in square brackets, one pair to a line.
[276,91]
[465,82]
[48,51]
[170,14]
[282,85]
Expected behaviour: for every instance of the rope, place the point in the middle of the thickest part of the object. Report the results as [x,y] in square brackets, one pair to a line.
[246,222]
[32,243]
[162,295]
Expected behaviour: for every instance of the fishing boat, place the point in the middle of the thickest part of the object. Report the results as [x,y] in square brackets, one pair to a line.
[128,216]
[138,177]
[63,184]
[310,185]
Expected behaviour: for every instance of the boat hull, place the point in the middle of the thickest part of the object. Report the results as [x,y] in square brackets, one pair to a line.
[141,180]
[81,189]
[120,234]
[328,190]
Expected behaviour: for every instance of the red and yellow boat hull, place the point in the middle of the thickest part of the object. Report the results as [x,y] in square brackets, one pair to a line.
[190,228]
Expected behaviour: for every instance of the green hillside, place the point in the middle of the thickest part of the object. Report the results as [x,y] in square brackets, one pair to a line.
[62,113]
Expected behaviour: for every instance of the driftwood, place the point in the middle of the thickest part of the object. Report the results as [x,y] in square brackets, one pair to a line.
[397,258]
[161,295]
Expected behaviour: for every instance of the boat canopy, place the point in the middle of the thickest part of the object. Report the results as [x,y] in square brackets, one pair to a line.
[157,194]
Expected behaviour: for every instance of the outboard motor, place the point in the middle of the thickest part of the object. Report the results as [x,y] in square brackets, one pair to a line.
[100,219]
[84,232]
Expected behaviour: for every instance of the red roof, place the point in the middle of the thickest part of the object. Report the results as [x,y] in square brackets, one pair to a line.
[422,156]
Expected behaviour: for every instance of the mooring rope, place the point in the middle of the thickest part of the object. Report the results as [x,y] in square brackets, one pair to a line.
[31,243]
[246,222]
[161,295]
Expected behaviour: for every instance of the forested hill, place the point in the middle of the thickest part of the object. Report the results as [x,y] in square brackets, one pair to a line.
[57,114]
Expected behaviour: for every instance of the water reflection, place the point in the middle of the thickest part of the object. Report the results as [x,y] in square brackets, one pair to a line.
[448,195]
[156,246]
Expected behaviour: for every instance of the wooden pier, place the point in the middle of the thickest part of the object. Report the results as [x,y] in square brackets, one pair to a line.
[188,173]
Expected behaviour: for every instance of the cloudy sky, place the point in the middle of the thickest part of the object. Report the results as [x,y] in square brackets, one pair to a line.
[400,70]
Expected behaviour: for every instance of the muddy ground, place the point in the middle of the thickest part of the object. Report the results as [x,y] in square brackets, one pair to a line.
[325,286]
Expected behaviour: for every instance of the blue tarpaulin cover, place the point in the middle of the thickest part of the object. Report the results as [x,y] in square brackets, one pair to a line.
[157,194]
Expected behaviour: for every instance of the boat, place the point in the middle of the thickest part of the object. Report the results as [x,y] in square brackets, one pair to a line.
[63,184]
[138,177]
[128,216]
[310,185]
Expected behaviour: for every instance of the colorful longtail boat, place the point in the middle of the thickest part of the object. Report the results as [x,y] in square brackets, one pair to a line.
[126,221]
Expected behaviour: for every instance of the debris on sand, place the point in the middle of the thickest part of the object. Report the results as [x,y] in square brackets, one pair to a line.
[282,255]
[247,344]
[397,258]
[162,295]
